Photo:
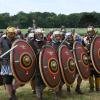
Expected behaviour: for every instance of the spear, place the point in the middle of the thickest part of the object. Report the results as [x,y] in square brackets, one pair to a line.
[8,51]
[67,43]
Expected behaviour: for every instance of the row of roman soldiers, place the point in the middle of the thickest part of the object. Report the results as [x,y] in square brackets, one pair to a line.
[37,40]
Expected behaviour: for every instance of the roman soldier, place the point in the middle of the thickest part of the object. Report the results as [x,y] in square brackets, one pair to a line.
[37,43]
[71,37]
[94,76]
[56,41]
[6,72]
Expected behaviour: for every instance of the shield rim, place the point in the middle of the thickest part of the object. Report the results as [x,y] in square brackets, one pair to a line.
[40,67]
[11,61]
[91,47]
[62,73]
[76,60]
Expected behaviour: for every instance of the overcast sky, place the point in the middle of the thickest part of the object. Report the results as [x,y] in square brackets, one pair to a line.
[56,6]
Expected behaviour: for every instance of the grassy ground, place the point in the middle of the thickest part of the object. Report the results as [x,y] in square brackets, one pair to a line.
[81,31]
[24,93]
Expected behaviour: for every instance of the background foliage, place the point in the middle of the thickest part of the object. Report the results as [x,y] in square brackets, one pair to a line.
[50,20]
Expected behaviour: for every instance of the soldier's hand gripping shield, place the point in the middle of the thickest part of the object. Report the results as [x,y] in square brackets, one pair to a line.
[49,66]
[22,60]
[95,53]
[81,60]
[67,64]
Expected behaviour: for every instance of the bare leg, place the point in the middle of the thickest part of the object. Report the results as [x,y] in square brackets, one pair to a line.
[17,84]
[68,88]
[79,81]
[91,82]
[58,91]
[32,83]
[97,83]
[9,89]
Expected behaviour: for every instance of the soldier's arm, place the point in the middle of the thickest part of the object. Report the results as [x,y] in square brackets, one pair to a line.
[0,49]
[0,46]
[0,54]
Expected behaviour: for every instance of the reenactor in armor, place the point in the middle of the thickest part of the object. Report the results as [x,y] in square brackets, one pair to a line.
[29,39]
[37,43]
[56,42]
[56,39]
[49,35]
[6,72]
[78,38]
[69,43]
[71,37]
[30,36]
[94,76]
[28,31]
[19,34]
[63,29]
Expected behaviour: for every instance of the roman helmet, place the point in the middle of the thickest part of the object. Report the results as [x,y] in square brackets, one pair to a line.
[11,32]
[57,36]
[91,31]
[69,37]
[39,36]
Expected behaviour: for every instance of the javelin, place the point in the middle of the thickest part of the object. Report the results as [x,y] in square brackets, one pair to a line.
[8,51]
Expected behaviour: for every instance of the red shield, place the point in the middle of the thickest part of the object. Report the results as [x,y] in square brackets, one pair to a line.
[67,64]
[81,60]
[22,60]
[49,67]
[95,53]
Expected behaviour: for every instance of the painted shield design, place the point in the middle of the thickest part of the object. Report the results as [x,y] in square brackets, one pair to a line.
[22,60]
[81,60]
[95,53]
[67,64]
[49,67]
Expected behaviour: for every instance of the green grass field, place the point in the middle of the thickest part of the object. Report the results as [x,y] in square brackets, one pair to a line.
[81,31]
[25,93]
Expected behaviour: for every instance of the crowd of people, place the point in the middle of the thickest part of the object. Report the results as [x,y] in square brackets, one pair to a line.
[37,39]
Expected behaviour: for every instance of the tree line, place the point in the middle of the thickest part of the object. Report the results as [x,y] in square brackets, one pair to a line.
[50,20]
